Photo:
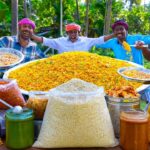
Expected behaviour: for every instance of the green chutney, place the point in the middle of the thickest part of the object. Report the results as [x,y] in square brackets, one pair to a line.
[19,129]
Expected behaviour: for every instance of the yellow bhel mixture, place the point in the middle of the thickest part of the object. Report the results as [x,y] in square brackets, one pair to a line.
[48,73]
[136,74]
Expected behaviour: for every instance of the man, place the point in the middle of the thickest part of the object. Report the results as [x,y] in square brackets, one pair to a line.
[73,42]
[22,41]
[134,53]
[145,50]
[120,29]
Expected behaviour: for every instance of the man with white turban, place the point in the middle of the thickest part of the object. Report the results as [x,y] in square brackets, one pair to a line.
[73,42]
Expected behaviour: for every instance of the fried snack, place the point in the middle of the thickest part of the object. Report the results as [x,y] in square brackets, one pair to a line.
[8,59]
[124,92]
[45,74]
[136,74]
[126,46]
[38,105]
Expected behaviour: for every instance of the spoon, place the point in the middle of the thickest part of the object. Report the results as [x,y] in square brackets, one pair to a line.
[16,109]
[142,45]
[5,103]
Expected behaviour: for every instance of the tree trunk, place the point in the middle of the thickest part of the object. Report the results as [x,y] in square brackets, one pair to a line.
[61,18]
[77,7]
[87,18]
[25,9]
[107,20]
[14,17]
[30,9]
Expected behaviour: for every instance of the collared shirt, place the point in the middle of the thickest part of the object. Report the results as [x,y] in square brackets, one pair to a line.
[63,44]
[31,51]
[120,53]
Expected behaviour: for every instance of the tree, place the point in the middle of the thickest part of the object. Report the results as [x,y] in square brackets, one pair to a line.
[131,2]
[107,20]
[61,17]
[87,18]
[77,11]
[14,18]
[25,9]
[138,20]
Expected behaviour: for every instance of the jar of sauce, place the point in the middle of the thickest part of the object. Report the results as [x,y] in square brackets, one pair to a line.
[134,130]
[19,129]
[148,124]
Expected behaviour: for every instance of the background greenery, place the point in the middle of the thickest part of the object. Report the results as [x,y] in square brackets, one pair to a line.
[46,14]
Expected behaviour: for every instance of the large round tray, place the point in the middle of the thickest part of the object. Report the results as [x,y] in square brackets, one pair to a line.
[141,88]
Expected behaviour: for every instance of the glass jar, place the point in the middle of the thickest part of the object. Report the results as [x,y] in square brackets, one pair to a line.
[19,129]
[134,130]
[38,102]
[148,123]
[116,105]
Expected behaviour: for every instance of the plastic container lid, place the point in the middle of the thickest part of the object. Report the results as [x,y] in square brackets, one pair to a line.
[26,114]
[134,116]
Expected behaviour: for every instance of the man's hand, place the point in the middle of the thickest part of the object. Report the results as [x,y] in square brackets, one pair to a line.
[139,44]
[37,38]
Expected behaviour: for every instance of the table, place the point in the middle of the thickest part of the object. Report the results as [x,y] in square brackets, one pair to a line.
[3,147]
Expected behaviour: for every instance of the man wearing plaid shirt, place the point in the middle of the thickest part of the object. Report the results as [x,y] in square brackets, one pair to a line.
[22,42]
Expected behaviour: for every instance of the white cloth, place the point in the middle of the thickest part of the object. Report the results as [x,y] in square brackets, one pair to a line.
[63,44]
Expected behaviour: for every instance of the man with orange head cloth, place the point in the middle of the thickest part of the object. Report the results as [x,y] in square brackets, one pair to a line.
[22,41]
[73,42]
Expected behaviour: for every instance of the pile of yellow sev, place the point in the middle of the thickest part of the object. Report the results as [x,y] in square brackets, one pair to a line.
[48,73]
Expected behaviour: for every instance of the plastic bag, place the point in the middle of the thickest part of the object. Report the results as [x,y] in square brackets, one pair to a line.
[76,116]
[37,101]
[10,92]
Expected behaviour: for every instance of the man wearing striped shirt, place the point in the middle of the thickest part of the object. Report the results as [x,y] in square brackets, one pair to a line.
[22,41]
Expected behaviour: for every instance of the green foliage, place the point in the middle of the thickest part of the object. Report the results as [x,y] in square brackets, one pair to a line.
[103,52]
[138,20]
[5,17]
[4,12]
[146,64]
[46,13]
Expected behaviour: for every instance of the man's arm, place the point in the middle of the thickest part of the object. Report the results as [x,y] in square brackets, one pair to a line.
[145,50]
[146,53]
[37,38]
[108,37]
[107,44]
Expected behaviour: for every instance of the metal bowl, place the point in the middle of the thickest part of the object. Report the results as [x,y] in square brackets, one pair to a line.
[14,52]
[141,69]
